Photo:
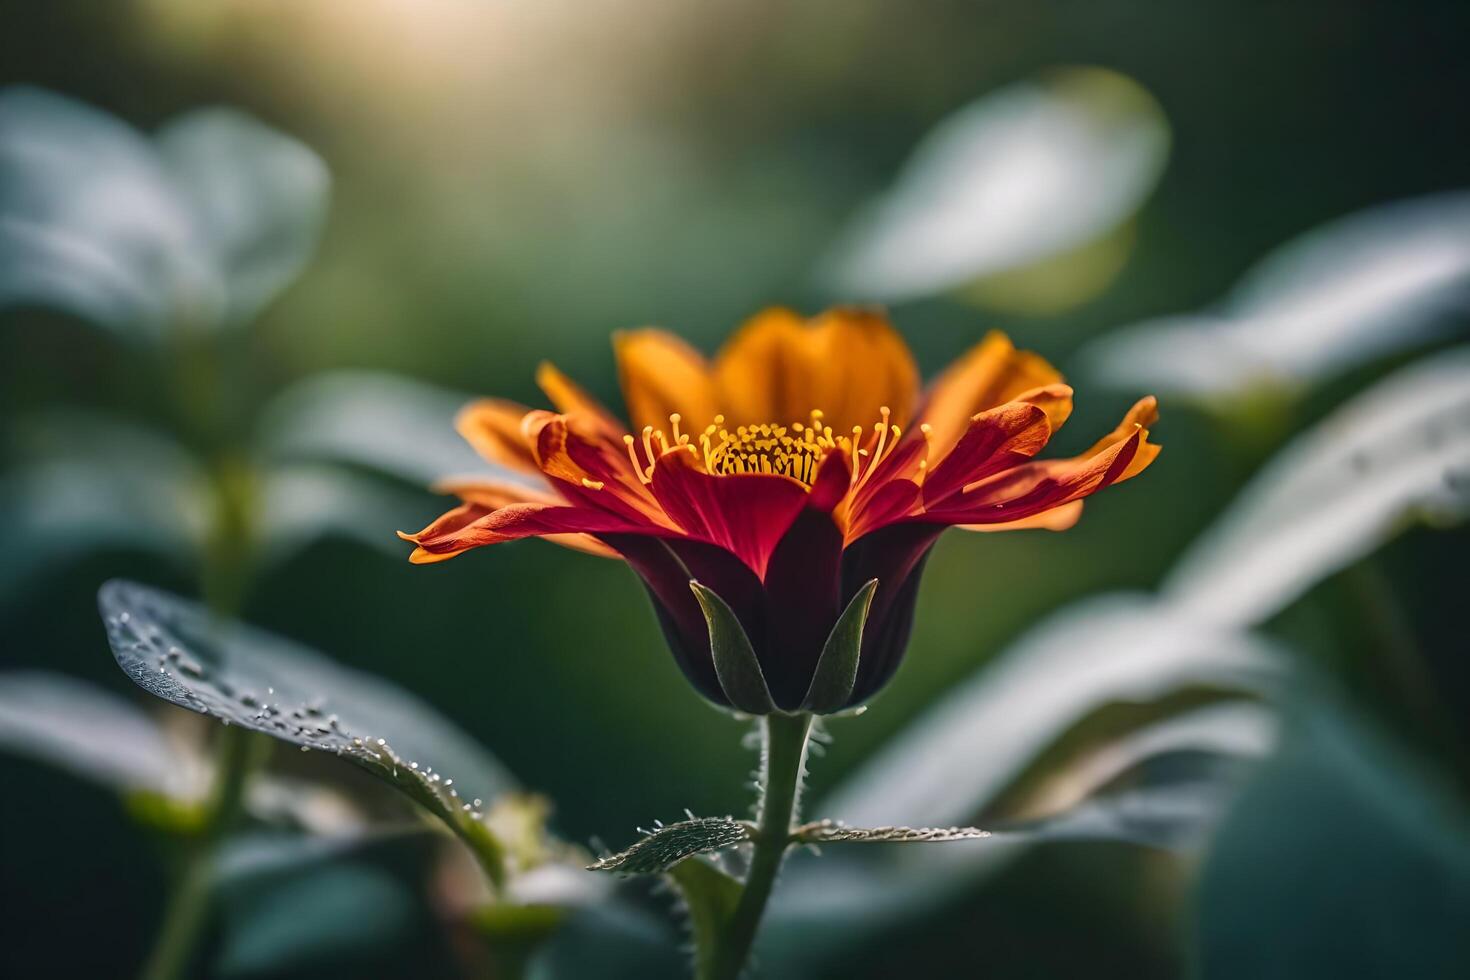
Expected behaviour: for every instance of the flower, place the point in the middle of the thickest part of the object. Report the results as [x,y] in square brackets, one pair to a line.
[800,464]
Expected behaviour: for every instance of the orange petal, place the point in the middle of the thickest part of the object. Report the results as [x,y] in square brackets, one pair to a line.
[990,373]
[1034,488]
[493,494]
[571,399]
[996,439]
[1143,415]
[471,526]
[661,375]
[493,427]
[847,362]
[592,469]
[1057,519]
[1054,399]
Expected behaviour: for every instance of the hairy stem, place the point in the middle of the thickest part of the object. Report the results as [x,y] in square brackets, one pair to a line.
[783,758]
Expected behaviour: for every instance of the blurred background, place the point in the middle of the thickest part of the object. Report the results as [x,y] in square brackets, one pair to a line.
[512,181]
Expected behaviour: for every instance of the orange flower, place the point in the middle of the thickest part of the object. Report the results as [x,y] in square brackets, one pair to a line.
[799,464]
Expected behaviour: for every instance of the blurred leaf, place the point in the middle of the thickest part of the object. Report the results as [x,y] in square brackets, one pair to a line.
[258,199]
[962,753]
[298,906]
[710,898]
[611,940]
[660,849]
[90,733]
[833,832]
[1036,169]
[198,229]
[301,504]
[1164,785]
[379,421]
[1160,782]
[87,482]
[173,649]
[1372,283]
[1398,451]
[89,223]
[1340,859]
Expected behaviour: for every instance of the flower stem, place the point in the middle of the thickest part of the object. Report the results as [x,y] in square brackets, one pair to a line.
[224,576]
[783,758]
[185,915]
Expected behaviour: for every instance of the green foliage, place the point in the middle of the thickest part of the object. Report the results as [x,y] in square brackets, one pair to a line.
[835,832]
[659,850]
[173,649]
[296,906]
[1342,857]
[710,898]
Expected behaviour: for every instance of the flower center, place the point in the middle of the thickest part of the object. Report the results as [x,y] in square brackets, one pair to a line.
[794,450]
[765,448]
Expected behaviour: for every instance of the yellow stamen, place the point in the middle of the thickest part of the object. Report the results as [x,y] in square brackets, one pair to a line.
[633,458]
[796,450]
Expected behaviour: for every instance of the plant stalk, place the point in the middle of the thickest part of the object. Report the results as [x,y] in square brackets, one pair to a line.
[783,761]
[238,752]
[185,915]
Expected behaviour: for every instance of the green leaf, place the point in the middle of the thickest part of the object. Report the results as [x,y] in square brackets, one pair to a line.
[1370,284]
[832,832]
[1160,784]
[710,897]
[735,663]
[221,214]
[258,199]
[1025,173]
[1341,858]
[91,733]
[1399,451]
[661,849]
[1115,649]
[393,425]
[175,650]
[837,669]
[83,482]
[303,503]
[125,269]
[303,906]
[612,940]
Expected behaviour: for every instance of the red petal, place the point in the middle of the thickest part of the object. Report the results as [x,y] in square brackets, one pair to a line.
[745,513]
[998,438]
[1037,487]
[470,526]
[891,503]
[591,471]
[833,478]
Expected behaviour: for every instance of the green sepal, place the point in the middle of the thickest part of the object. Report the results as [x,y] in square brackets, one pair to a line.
[838,666]
[736,666]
